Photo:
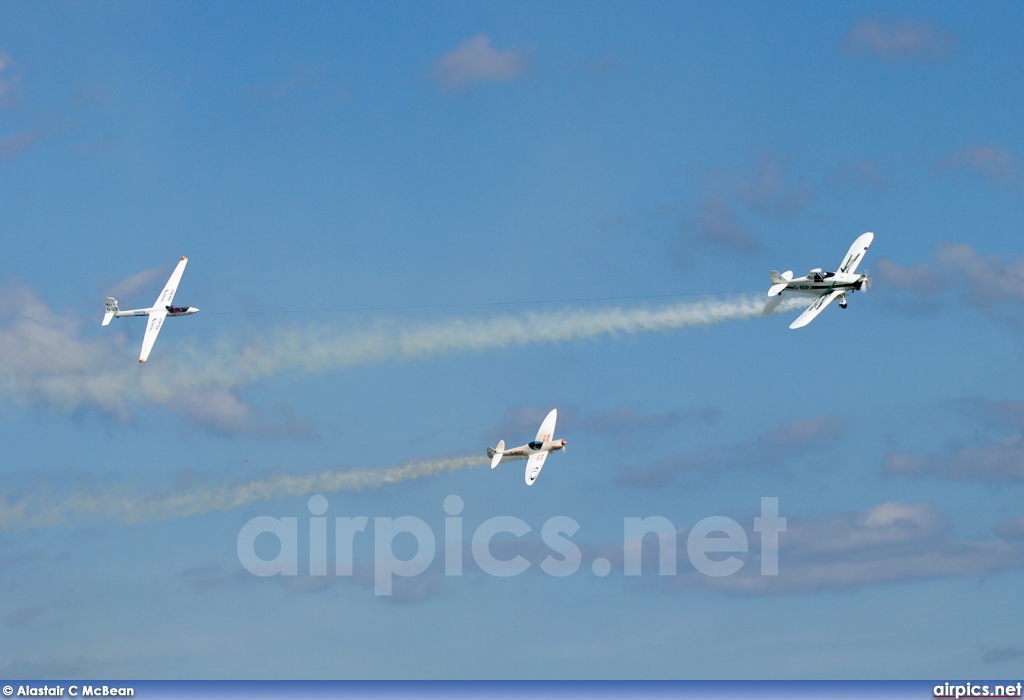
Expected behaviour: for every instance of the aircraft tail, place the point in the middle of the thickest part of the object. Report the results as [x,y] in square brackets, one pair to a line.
[779,282]
[111,310]
[496,453]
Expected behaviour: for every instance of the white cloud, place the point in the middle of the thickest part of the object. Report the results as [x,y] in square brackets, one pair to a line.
[864,174]
[717,224]
[791,438]
[889,542]
[768,192]
[1002,461]
[899,39]
[13,144]
[764,188]
[9,81]
[134,284]
[982,280]
[474,62]
[993,162]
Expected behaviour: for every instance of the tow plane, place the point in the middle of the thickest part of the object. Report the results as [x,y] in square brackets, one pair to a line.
[535,452]
[825,286]
[160,310]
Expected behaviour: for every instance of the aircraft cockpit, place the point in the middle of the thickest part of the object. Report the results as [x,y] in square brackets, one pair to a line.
[819,275]
[177,309]
[536,445]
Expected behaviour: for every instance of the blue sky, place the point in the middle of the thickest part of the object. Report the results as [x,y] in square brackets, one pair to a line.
[413,230]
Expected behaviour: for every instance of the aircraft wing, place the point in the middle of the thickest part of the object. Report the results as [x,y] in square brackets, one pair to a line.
[156,322]
[547,428]
[814,309]
[535,464]
[167,296]
[856,253]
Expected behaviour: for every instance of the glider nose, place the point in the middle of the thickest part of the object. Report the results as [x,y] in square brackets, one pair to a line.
[193,310]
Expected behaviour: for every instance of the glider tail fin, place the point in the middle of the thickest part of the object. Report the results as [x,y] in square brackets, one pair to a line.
[496,453]
[111,310]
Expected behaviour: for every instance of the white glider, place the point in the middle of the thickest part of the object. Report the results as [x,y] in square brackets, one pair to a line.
[160,310]
[826,286]
[534,452]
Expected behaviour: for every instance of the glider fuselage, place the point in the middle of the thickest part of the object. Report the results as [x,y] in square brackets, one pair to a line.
[170,311]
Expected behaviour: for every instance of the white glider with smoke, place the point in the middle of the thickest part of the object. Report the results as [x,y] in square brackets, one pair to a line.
[160,310]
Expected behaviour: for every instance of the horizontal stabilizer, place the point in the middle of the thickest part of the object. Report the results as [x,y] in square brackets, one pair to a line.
[107,316]
[779,282]
[497,453]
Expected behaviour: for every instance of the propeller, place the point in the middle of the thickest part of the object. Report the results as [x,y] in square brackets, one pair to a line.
[865,284]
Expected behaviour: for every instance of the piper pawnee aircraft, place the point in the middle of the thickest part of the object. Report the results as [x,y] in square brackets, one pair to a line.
[534,452]
[160,310]
[826,286]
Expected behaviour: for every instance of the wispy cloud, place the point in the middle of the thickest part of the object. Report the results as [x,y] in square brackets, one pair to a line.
[999,461]
[765,189]
[135,284]
[24,617]
[982,281]
[474,63]
[1002,461]
[889,542]
[793,437]
[1001,655]
[116,504]
[10,81]
[629,422]
[221,411]
[898,40]
[13,144]
[1012,529]
[992,162]
[47,360]
[718,225]
[866,174]
[275,90]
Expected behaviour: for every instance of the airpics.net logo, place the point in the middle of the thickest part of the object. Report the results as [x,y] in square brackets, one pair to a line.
[406,546]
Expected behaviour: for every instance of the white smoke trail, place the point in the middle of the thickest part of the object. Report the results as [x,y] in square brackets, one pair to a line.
[48,362]
[32,513]
[322,348]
